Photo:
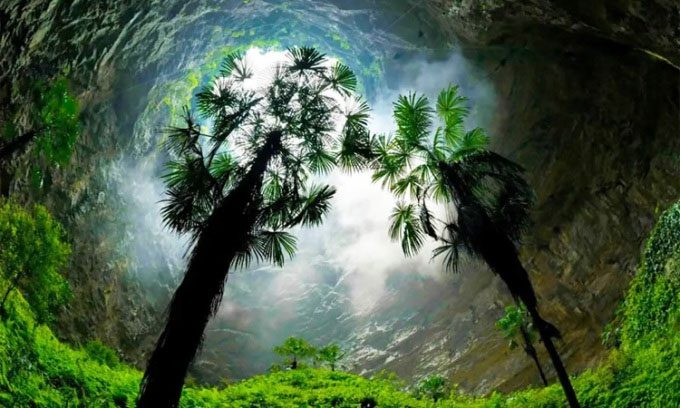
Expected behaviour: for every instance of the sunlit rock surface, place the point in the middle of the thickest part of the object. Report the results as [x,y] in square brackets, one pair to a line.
[586,98]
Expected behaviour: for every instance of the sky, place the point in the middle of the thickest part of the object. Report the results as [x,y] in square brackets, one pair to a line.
[354,236]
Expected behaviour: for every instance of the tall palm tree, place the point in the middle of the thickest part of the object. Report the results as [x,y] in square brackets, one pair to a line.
[238,188]
[487,199]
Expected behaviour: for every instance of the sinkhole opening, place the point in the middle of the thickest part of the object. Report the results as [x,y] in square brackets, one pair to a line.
[341,285]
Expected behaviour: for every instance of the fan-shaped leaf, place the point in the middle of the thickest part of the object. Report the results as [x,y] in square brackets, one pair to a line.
[405,226]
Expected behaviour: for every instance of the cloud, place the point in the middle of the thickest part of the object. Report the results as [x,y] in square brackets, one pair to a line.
[354,238]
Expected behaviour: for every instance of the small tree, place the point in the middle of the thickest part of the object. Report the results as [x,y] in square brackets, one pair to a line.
[53,127]
[330,355]
[518,329]
[295,349]
[433,387]
[32,256]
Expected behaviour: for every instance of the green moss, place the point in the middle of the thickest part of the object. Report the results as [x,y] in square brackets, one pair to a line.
[654,299]
[340,40]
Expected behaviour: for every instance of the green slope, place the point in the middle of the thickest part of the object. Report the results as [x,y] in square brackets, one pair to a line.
[643,370]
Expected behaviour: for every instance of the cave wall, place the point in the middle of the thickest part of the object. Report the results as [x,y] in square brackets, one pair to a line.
[588,103]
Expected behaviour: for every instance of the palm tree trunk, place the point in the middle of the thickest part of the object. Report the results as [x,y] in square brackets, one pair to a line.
[531,352]
[16,145]
[546,333]
[500,254]
[200,293]
[503,259]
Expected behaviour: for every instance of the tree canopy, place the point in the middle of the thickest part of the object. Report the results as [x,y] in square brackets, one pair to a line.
[308,102]
[295,349]
[331,354]
[32,258]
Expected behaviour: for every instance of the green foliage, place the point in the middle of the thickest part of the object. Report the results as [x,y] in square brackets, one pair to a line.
[644,370]
[433,158]
[511,324]
[330,355]
[102,354]
[295,349]
[654,298]
[52,128]
[32,257]
[56,120]
[37,370]
[433,387]
[289,124]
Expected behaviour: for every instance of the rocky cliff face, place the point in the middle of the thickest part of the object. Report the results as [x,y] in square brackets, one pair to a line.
[587,100]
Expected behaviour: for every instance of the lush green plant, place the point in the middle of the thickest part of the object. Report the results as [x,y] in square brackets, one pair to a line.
[518,329]
[654,298]
[295,350]
[433,387]
[32,257]
[39,371]
[54,125]
[56,120]
[99,352]
[330,355]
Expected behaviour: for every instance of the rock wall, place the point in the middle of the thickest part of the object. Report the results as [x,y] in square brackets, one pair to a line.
[588,102]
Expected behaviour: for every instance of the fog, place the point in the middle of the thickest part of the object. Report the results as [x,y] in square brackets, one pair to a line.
[353,241]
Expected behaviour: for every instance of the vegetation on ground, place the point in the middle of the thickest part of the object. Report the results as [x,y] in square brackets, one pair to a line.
[32,257]
[37,370]
[297,353]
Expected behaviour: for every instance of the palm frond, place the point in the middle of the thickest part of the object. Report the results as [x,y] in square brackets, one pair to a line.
[405,227]
[178,210]
[391,160]
[175,174]
[453,245]
[358,116]
[427,221]
[389,169]
[231,63]
[471,142]
[304,59]
[185,139]
[355,150]
[413,116]
[410,184]
[320,161]
[272,188]
[274,246]
[440,190]
[223,166]
[247,254]
[210,102]
[451,106]
[500,187]
[314,206]
[342,79]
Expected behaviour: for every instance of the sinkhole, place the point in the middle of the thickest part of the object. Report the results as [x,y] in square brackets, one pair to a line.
[342,284]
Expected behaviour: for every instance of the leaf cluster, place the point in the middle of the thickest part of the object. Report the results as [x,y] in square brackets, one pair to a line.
[434,159]
[32,258]
[308,108]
